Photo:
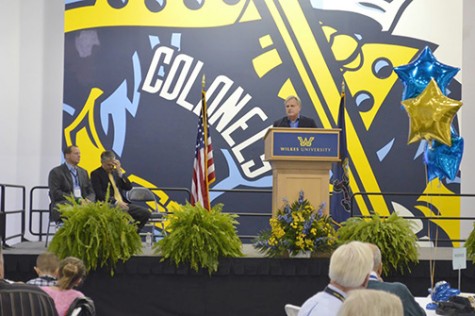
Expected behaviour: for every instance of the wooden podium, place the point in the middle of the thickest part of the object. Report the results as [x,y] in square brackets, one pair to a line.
[301,159]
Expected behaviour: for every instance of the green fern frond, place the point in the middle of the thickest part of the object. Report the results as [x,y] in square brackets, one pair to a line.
[394,237]
[199,237]
[99,234]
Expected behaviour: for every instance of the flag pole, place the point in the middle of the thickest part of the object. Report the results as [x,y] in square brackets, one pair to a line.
[204,111]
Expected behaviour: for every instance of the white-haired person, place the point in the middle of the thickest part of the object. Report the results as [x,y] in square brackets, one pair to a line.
[410,305]
[369,302]
[294,119]
[350,267]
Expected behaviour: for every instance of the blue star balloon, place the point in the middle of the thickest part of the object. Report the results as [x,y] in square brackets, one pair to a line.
[416,75]
[444,161]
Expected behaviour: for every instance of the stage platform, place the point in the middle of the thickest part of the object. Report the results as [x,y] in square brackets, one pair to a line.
[252,285]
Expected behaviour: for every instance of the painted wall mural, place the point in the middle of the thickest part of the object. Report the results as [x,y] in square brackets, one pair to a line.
[132,84]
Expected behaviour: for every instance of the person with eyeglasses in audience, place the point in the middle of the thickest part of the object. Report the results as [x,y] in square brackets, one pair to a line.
[410,305]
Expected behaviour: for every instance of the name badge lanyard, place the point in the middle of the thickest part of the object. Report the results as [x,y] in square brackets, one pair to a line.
[334,293]
[77,187]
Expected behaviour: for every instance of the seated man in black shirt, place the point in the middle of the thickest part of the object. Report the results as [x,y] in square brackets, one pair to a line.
[110,175]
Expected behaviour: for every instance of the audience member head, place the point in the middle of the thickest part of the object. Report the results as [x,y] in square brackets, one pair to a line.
[108,161]
[72,155]
[371,303]
[350,265]
[47,263]
[377,259]
[71,273]
[292,107]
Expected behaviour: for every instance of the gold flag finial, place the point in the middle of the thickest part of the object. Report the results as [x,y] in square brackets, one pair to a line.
[342,86]
[203,82]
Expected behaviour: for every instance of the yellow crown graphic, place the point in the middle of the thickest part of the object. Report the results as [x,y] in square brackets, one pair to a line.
[305,142]
[170,14]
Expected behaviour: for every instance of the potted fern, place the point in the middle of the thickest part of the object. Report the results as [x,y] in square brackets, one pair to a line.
[98,233]
[199,237]
[393,235]
[470,245]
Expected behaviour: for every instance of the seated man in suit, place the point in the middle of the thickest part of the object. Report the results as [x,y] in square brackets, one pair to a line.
[293,119]
[69,179]
[109,175]
[18,299]
[410,305]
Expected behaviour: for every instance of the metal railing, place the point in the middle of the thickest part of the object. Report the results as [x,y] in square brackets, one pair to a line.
[263,192]
[4,213]
[40,211]
[248,214]
[171,189]
[423,218]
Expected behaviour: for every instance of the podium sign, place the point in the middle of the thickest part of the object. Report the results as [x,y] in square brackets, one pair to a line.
[301,159]
[294,143]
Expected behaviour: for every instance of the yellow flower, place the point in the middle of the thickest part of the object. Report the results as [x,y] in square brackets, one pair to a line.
[292,234]
[279,233]
[272,241]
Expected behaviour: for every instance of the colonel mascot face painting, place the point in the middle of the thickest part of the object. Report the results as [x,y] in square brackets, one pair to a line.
[133,75]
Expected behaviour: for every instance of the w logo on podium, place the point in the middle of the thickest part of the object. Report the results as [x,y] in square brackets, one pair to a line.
[305,142]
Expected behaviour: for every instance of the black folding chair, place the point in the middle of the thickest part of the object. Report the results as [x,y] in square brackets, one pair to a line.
[144,195]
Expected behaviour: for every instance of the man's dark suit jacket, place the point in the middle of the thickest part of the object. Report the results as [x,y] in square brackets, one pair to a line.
[60,183]
[410,305]
[22,299]
[100,181]
[303,122]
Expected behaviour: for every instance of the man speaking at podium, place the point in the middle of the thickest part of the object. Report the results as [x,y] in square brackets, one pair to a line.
[294,119]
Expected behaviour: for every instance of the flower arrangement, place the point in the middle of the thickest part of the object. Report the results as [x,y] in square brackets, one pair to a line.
[298,228]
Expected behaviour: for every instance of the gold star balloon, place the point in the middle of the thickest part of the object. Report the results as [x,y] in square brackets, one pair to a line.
[430,115]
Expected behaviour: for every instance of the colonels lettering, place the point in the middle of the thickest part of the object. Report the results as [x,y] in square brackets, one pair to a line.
[182,74]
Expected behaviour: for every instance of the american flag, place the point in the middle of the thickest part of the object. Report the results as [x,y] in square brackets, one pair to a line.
[203,169]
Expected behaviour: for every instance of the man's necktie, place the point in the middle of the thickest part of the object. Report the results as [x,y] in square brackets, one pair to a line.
[117,195]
